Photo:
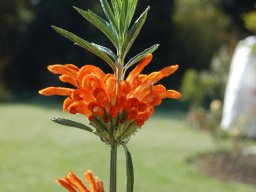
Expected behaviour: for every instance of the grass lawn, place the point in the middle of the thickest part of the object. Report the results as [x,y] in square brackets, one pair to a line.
[34,151]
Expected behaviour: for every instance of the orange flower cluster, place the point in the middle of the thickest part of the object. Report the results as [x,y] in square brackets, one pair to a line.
[73,184]
[97,94]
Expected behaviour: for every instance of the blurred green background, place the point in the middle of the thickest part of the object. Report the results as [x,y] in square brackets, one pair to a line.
[200,35]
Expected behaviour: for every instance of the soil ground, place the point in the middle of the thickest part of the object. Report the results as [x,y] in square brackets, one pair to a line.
[227,166]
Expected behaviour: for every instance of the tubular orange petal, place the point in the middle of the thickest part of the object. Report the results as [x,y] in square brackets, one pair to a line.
[158,88]
[83,95]
[140,122]
[151,94]
[133,102]
[68,79]
[101,97]
[67,102]
[172,94]
[153,99]
[142,107]
[62,91]
[137,70]
[90,180]
[79,107]
[169,70]
[141,77]
[57,69]
[90,82]
[132,114]
[109,75]
[63,69]
[144,117]
[122,103]
[97,96]
[147,82]
[100,186]
[72,67]
[110,81]
[90,69]
[113,111]
[66,185]
[73,184]
[125,88]
[74,108]
[76,182]
[96,109]
[157,76]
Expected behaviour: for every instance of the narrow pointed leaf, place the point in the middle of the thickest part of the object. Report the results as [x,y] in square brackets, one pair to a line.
[140,56]
[123,16]
[106,50]
[70,123]
[129,170]
[86,45]
[109,13]
[119,3]
[115,8]
[100,23]
[132,8]
[134,31]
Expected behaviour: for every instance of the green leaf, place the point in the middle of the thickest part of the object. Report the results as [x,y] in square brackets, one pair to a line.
[129,170]
[71,123]
[140,56]
[106,50]
[86,45]
[100,23]
[119,3]
[123,16]
[134,31]
[109,13]
[132,7]
[115,8]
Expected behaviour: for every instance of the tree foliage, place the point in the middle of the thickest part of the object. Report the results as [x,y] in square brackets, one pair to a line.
[202,29]
[14,16]
[199,88]
[250,21]
[234,9]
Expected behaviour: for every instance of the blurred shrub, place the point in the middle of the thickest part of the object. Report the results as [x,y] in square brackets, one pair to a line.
[234,143]
[191,89]
[15,15]
[206,119]
[209,120]
[201,87]
[234,9]
[250,21]
[202,28]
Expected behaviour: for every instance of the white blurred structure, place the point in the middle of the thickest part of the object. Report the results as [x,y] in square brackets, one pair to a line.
[239,110]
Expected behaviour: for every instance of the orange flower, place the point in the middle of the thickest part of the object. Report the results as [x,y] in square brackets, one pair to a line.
[73,184]
[103,98]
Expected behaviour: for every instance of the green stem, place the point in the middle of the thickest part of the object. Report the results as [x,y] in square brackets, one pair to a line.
[119,73]
[113,167]
[113,157]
